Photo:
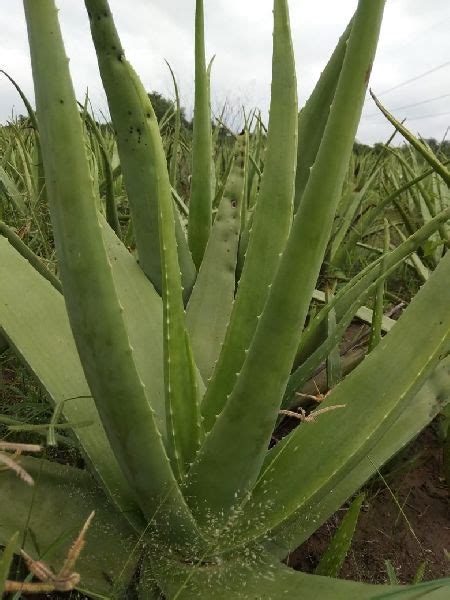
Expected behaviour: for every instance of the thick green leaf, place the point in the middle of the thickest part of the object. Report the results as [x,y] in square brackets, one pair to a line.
[255,400]
[50,514]
[182,401]
[430,590]
[134,143]
[200,204]
[211,301]
[94,308]
[255,576]
[271,220]
[422,408]
[309,463]
[313,117]
[36,324]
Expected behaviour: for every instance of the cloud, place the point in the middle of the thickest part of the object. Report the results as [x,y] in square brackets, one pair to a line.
[413,40]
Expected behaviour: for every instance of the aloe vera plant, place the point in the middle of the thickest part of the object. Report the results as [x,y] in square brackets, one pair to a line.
[180,369]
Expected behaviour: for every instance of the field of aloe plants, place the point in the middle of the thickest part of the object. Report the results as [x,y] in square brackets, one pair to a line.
[214,342]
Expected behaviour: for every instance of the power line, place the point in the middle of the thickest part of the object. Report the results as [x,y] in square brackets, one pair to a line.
[416,78]
[431,116]
[376,114]
[418,118]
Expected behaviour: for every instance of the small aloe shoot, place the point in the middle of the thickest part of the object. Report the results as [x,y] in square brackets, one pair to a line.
[334,557]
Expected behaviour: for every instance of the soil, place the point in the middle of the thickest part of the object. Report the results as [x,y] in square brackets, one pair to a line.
[412,529]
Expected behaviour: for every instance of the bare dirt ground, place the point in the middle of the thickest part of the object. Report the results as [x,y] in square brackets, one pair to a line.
[412,529]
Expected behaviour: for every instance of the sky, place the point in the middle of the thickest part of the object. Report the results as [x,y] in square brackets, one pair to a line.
[414,40]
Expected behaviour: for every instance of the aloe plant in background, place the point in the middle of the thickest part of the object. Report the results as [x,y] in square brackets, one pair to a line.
[180,370]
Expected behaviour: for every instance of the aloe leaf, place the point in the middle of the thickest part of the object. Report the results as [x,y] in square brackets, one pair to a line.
[94,309]
[110,201]
[257,577]
[344,223]
[10,189]
[173,169]
[417,144]
[348,296]
[391,573]
[375,330]
[333,360]
[423,407]
[256,397]
[25,251]
[426,203]
[430,590]
[271,220]
[313,117]
[245,170]
[38,328]
[6,559]
[135,143]
[40,190]
[374,395]
[180,376]
[211,301]
[422,270]
[370,216]
[200,202]
[364,313]
[254,171]
[331,562]
[50,514]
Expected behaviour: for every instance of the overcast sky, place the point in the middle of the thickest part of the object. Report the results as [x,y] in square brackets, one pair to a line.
[414,40]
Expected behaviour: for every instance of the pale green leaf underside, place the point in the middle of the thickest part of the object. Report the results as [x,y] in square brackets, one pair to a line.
[51,514]
[36,323]
[262,579]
